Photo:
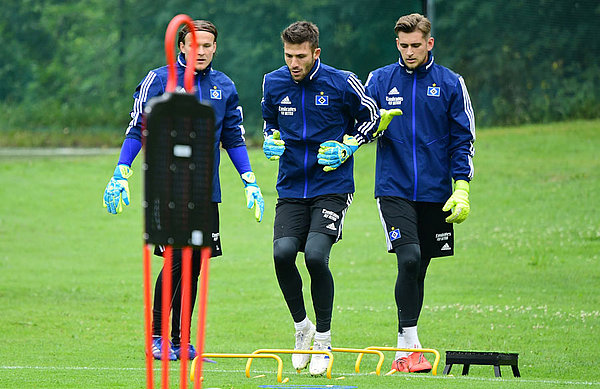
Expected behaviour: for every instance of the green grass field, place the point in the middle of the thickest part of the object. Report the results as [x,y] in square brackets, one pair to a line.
[525,277]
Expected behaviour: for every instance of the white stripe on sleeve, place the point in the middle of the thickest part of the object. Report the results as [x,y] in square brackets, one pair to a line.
[467,107]
[364,99]
[471,117]
[138,104]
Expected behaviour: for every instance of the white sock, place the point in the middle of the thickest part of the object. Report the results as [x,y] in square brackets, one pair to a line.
[407,339]
[301,326]
[412,337]
[323,337]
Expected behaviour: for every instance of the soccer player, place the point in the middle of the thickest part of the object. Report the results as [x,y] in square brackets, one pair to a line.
[217,89]
[306,103]
[418,157]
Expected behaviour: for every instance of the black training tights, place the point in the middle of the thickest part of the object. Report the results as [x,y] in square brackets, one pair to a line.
[316,254]
[410,284]
[176,296]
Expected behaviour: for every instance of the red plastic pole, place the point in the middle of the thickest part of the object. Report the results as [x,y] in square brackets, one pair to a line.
[166,309]
[186,275]
[190,69]
[203,300]
[168,254]
[148,318]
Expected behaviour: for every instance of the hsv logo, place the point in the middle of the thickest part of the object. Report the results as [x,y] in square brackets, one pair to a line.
[321,99]
[394,234]
[215,93]
[433,91]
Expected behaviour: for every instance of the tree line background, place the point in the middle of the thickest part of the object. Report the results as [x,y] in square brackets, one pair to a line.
[75,63]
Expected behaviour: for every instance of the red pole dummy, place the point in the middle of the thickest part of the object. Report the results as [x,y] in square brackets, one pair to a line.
[166,308]
[148,318]
[203,300]
[186,275]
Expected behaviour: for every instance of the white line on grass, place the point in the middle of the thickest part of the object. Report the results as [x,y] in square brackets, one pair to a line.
[498,380]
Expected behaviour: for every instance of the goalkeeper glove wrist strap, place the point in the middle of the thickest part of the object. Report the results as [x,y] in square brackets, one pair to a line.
[122,172]
[461,185]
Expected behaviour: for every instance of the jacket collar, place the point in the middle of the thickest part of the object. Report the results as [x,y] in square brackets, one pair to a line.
[181,63]
[314,72]
[421,69]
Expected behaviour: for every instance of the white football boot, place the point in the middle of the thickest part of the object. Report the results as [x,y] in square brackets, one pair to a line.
[319,362]
[304,339]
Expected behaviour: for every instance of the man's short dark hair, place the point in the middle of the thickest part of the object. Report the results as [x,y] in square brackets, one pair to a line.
[413,22]
[200,25]
[300,32]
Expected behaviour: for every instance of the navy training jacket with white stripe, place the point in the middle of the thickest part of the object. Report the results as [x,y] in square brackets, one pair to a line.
[432,142]
[211,86]
[325,105]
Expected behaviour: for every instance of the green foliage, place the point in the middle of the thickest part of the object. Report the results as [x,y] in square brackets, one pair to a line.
[76,63]
[523,61]
[524,278]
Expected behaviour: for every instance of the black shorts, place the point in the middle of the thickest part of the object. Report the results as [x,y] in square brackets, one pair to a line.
[422,223]
[215,236]
[324,214]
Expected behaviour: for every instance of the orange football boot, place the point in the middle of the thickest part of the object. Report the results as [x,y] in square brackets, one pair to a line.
[401,364]
[417,363]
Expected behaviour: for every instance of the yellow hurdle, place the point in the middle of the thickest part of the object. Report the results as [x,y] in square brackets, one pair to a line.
[276,357]
[361,352]
[417,350]
[288,351]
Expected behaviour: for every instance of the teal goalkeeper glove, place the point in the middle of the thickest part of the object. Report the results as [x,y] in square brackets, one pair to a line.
[273,147]
[117,191]
[386,117]
[254,198]
[333,153]
[458,202]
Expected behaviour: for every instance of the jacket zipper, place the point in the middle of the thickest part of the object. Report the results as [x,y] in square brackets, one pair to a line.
[199,88]
[305,146]
[414,133]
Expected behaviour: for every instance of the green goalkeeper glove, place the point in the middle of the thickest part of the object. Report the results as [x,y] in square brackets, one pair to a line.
[333,153]
[458,203]
[386,117]
[254,198]
[117,191]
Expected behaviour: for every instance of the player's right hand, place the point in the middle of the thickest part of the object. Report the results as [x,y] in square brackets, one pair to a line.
[386,117]
[117,190]
[274,146]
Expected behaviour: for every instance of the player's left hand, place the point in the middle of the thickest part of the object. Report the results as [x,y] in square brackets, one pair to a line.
[333,153]
[254,198]
[458,203]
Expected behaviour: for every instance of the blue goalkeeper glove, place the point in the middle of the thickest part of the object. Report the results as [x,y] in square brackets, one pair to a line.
[386,117]
[458,203]
[273,147]
[117,191]
[333,153]
[254,198]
